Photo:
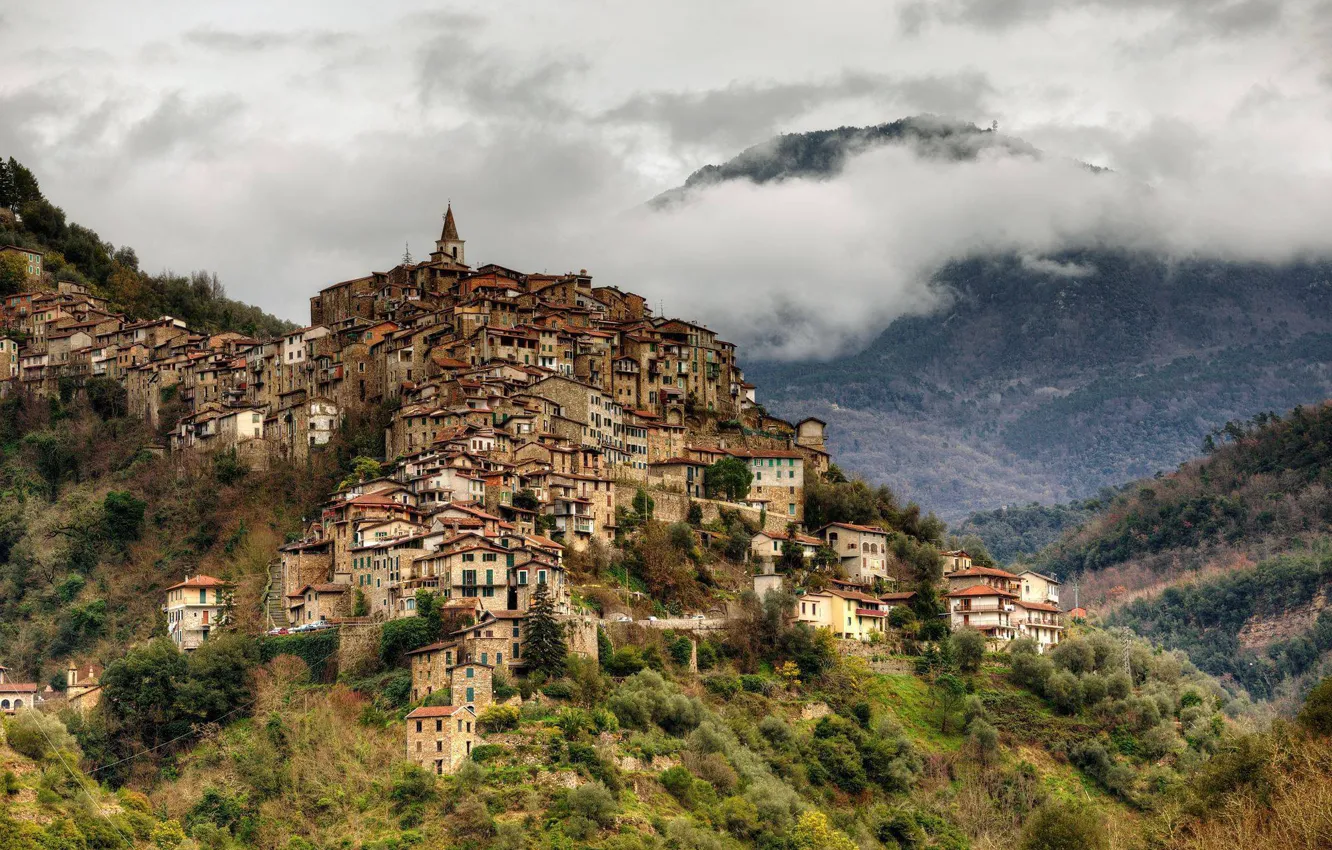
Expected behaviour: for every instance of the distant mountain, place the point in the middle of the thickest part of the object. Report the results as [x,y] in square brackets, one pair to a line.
[823,153]
[1045,380]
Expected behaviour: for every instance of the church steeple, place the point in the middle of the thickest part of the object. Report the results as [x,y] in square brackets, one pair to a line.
[449,245]
[450,226]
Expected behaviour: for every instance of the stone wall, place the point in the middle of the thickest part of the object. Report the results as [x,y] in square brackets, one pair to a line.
[358,647]
[674,507]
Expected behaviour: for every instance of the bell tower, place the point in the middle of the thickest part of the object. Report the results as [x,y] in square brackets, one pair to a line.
[449,246]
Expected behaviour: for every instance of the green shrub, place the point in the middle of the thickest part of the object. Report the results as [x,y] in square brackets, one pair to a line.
[37,735]
[679,783]
[1065,826]
[624,662]
[483,753]
[1316,715]
[559,690]
[968,649]
[1064,691]
[755,684]
[499,718]
[594,802]
[723,685]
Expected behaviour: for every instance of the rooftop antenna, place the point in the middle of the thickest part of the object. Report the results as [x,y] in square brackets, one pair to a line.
[406,254]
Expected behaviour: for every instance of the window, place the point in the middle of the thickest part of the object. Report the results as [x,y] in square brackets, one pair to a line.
[541,576]
[483,657]
[439,725]
[470,673]
[514,654]
[471,695]
[515,630]
[203,595]
[418,726]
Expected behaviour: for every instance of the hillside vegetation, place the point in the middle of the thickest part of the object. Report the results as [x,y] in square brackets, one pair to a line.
[1227,558]
[76,253]
[93,527]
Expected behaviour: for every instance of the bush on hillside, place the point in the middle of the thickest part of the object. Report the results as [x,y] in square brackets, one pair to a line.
[1065,825]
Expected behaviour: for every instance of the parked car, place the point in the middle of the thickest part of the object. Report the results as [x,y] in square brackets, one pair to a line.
[623,618]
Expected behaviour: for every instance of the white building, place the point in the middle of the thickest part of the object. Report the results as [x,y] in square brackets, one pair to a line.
[195,608]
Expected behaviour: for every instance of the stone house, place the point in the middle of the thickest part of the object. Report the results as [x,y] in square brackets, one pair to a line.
[861,549]
[440,737]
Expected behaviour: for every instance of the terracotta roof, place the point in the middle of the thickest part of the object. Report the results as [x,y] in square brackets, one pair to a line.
[200,581]
[331,588]
[868,529]
[973,572]
[1039,606]
[898,597]
[18,688]
[981,590]
[761,453]
[436,711]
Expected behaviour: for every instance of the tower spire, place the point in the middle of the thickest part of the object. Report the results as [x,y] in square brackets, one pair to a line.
[450,244]
[450,233]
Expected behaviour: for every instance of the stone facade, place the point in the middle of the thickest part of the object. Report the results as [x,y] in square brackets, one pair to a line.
[440,738]
[472,685]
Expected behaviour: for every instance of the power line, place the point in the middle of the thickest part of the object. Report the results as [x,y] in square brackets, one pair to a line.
[129,842]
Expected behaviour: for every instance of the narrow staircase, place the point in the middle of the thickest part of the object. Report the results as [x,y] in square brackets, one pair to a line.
[274,614]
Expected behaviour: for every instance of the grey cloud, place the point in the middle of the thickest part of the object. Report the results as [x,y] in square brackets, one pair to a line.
[451,68]
[178,122]
[836,260]
[1214,17]
[742,113]
[230,41]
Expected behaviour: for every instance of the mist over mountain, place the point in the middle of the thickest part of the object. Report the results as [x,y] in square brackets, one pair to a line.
[1038,375]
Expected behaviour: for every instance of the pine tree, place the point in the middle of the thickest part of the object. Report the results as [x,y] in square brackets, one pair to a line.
[545,648]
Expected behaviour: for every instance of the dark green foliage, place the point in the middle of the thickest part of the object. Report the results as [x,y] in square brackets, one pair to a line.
[122,518]
[53,456]
[228,468]
[317,649]
[968,649]
[545,648]
[695,515]
[1023,531]
[156,694]
[399,637]
[728,478]
[1316,715]
[107,397]
[858,503]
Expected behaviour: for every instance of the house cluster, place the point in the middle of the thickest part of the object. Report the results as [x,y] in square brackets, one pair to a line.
[1001,605]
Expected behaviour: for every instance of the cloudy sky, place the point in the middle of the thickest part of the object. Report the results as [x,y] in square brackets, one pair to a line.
[290,145]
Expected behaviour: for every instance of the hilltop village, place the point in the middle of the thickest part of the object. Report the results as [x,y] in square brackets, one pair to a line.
[525,417]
